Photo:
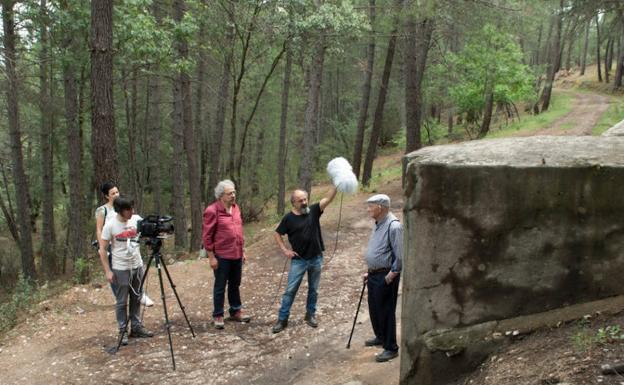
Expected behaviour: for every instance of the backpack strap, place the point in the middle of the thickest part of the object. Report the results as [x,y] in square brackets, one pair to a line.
[388,237]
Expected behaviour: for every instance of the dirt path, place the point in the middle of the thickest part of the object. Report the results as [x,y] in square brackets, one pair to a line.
[587,109]
[64,340]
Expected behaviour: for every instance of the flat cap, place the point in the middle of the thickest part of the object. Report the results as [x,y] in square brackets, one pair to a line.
[379,199]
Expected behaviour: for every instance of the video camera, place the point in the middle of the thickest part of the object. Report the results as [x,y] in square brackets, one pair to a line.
[154,225]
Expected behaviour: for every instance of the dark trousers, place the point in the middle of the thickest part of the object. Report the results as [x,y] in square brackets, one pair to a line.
[228,273]
[382,300]
[128,297]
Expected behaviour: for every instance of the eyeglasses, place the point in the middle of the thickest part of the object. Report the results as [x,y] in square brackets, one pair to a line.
[230,193]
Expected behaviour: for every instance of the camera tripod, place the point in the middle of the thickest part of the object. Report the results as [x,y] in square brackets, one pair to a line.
[155,244]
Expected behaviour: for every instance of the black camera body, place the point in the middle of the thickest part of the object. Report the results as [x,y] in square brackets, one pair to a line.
[153,226]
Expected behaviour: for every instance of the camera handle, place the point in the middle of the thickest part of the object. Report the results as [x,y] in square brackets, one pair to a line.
[155,244]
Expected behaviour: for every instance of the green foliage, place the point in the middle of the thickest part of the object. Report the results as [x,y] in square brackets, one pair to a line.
[609,334]
[82,270]
[334,21]
[611,117]
[24,295]
[561,105]
[585,338]
[490,61]
[141,38]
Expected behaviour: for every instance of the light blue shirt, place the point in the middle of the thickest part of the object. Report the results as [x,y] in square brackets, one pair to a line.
[385,246]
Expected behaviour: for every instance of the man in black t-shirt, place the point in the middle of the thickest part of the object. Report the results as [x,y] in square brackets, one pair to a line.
[303,228]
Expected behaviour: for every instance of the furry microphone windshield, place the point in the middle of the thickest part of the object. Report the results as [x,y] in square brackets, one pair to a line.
[341,173]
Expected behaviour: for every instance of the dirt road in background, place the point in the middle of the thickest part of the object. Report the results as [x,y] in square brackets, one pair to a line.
[587,110]
[64,342]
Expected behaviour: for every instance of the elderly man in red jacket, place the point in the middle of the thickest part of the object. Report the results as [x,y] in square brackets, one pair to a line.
[222,235]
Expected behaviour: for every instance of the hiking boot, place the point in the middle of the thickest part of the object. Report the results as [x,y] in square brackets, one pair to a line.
[310,319]
[123,334]
[238,316]
[140,332]
[386,355]
[146,301]
[373,342]
[218,322]
[280,325]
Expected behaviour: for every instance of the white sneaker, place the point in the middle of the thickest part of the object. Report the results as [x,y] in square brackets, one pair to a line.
[146,301]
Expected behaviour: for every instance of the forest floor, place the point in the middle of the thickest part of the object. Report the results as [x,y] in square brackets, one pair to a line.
[64,339]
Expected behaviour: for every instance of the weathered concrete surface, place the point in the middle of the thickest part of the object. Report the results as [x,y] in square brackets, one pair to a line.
[617,130]
[498,229]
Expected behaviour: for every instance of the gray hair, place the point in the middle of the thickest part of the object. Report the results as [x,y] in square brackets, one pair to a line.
[220,189]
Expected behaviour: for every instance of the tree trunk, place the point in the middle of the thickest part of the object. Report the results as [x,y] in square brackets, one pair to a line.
[585,46]
[217,136]
[184,95]
[178,196]
[617,79]
[103,137]
[245,40]
[568,65]
[19,175]
[257,165]
[536,56]
[598,49]
[7,209]
[201,131]
[554,60]
[608,58]
[130,102]
[418,39]
[450,112]
[366,91]
[48,238]
[311,116]
[241,152]
[379,110]
[487,112]
[75,229]
[283,150]
[154,124]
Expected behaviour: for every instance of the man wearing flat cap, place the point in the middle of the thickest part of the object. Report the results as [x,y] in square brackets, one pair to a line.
[384,259]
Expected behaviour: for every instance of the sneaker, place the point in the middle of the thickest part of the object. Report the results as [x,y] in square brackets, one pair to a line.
[280,325]
[146,301]
[140,332]
[218,322]
[373,342]
[386,355]
[310,319]
[123,334]
[240,317]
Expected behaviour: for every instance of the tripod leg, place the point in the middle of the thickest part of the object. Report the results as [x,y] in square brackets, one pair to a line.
[167,325]
[173,287]
[356,315]
[149,263]
[119,342]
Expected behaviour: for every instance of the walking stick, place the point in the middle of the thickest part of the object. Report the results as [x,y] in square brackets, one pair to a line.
[356,315]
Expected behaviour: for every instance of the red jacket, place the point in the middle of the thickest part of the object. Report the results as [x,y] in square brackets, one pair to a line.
[222,232]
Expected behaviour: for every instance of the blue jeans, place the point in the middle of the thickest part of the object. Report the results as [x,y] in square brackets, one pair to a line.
[228,273]
[298,268]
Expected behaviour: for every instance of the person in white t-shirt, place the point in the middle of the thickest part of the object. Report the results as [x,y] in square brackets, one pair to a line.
[126,272]
[106,212]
